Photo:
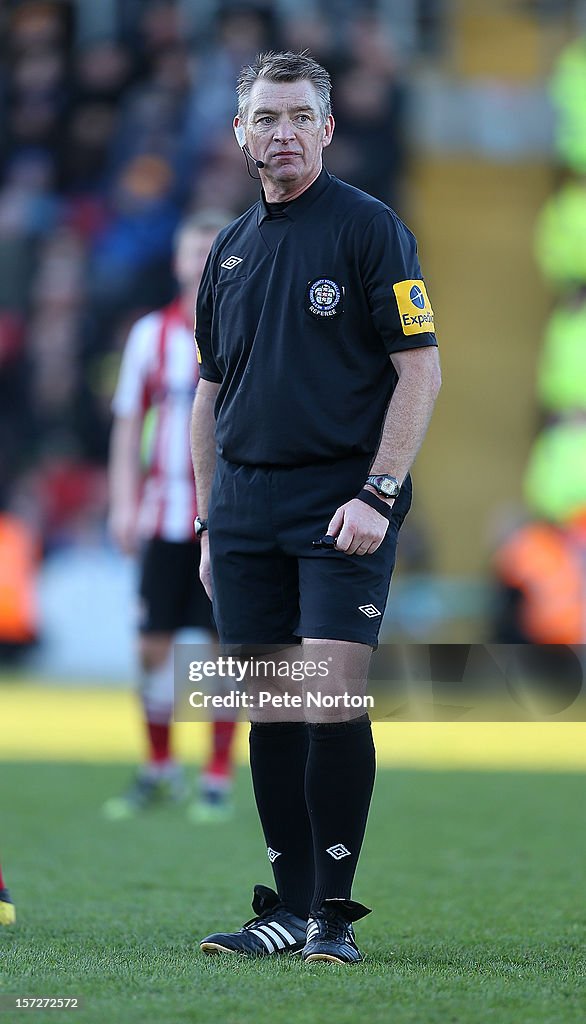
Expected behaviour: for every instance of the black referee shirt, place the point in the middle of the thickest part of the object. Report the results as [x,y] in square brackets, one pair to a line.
[297,322]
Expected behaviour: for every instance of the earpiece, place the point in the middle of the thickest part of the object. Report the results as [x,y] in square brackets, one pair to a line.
[241,140]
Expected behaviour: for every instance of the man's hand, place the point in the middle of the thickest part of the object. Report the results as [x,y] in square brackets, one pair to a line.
[122,526]
[359,529]
[205,574]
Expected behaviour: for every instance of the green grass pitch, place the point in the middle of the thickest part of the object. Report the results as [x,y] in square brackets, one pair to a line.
[477,880]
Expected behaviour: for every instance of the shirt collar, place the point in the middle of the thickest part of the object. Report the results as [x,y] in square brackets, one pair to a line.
[294,210]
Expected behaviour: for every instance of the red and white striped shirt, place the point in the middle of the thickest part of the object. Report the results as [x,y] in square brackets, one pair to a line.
[158,378]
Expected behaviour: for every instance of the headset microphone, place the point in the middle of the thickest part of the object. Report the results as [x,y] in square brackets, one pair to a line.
[257,163]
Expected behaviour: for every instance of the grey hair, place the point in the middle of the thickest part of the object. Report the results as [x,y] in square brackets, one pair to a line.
[285,67]
[205,221]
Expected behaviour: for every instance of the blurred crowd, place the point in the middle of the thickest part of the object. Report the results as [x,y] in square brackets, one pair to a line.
[540,566]
[107,141]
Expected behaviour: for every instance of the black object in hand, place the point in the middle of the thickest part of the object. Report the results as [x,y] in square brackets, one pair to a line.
[326,541]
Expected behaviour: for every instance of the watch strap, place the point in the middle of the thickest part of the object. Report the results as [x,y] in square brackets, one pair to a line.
[379,504]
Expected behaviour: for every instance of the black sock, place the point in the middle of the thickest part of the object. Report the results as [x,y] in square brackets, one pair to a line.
[278,758]
[338,786]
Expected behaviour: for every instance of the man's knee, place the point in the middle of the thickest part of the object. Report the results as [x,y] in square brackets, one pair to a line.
[338,695]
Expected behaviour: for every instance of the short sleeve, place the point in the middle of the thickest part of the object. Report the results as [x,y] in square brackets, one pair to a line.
[396,293]
[134,369]
[204,312]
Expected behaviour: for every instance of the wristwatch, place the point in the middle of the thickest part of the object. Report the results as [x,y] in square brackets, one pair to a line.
[200,526]
[386,485]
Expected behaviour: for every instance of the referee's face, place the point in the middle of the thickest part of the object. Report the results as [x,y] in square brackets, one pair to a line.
[285,130]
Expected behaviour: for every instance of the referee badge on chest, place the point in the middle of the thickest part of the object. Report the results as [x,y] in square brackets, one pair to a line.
[324,298]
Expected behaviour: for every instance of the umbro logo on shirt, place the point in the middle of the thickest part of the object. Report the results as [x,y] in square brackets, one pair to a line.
[231,262]
[369,610]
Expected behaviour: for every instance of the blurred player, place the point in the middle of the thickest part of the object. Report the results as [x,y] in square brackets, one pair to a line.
[153,505]
[7,912]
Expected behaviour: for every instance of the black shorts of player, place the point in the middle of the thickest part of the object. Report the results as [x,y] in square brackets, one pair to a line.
[171,594]
[270,585]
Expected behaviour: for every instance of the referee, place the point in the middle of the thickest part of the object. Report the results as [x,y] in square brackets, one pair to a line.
[318,376]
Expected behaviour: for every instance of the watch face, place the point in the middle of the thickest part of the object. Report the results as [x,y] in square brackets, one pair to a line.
[388,486]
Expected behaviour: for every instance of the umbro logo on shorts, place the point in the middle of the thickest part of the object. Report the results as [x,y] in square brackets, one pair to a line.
[273,854]
[231,262]
[338,851]
[369,610]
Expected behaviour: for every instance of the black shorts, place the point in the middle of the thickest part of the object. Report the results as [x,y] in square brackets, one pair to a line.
[171,594]
[270,585]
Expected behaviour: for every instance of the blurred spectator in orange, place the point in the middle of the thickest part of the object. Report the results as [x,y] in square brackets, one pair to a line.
[19,558]
[540,567]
